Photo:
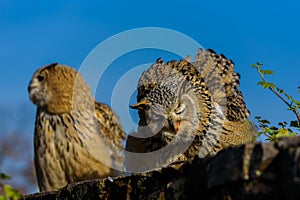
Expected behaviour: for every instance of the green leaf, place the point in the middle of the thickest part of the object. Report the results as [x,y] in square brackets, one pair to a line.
[297,102]
[282,132]
[254,65]
[266,84]
[271,85]
[268,72]
[280,90]
[272,138]
[259,64]
[11,193]
[4,176]
[283,124]
[3,197]
[273,128]
[264,121]
[294,124]
[288,96]
[259,133]
[263,84]
[268,130]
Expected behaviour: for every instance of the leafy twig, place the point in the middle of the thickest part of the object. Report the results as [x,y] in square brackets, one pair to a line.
[278,93]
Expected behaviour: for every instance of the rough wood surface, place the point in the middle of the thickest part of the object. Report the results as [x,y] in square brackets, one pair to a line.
[252,171]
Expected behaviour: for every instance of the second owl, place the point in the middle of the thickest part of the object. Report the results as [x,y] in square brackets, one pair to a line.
[194,104]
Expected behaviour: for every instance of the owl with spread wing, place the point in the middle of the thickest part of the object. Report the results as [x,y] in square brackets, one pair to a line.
[198,102]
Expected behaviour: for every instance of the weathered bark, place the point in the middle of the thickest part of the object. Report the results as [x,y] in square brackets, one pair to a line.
[252,171]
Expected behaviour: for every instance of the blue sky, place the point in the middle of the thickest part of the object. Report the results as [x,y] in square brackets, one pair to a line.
[35,33]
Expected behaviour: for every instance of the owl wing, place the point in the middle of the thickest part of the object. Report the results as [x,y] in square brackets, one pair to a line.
[110,124]
[222,82]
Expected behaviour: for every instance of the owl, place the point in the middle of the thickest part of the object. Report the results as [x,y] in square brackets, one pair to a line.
[195,105]
[75,138]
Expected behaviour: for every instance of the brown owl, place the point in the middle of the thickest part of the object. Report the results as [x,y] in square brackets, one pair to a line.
[76,138]
[199,100]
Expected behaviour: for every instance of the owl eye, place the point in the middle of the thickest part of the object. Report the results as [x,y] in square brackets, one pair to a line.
[40,77]
[180,109]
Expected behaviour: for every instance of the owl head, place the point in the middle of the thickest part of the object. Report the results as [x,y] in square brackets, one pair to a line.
[55,87]
[169,108]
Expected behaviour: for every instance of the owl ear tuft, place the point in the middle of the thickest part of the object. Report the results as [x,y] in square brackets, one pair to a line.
[142,105]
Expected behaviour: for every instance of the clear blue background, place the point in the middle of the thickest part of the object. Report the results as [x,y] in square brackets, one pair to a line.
[35,33]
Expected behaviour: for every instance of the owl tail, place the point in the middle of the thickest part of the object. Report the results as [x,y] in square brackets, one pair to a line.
[222,83]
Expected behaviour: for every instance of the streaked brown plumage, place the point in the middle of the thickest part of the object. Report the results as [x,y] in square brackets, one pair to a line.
[221,111]
[76,138]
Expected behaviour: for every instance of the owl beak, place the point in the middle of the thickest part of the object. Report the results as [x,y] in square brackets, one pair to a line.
[142,105]
[175,126]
